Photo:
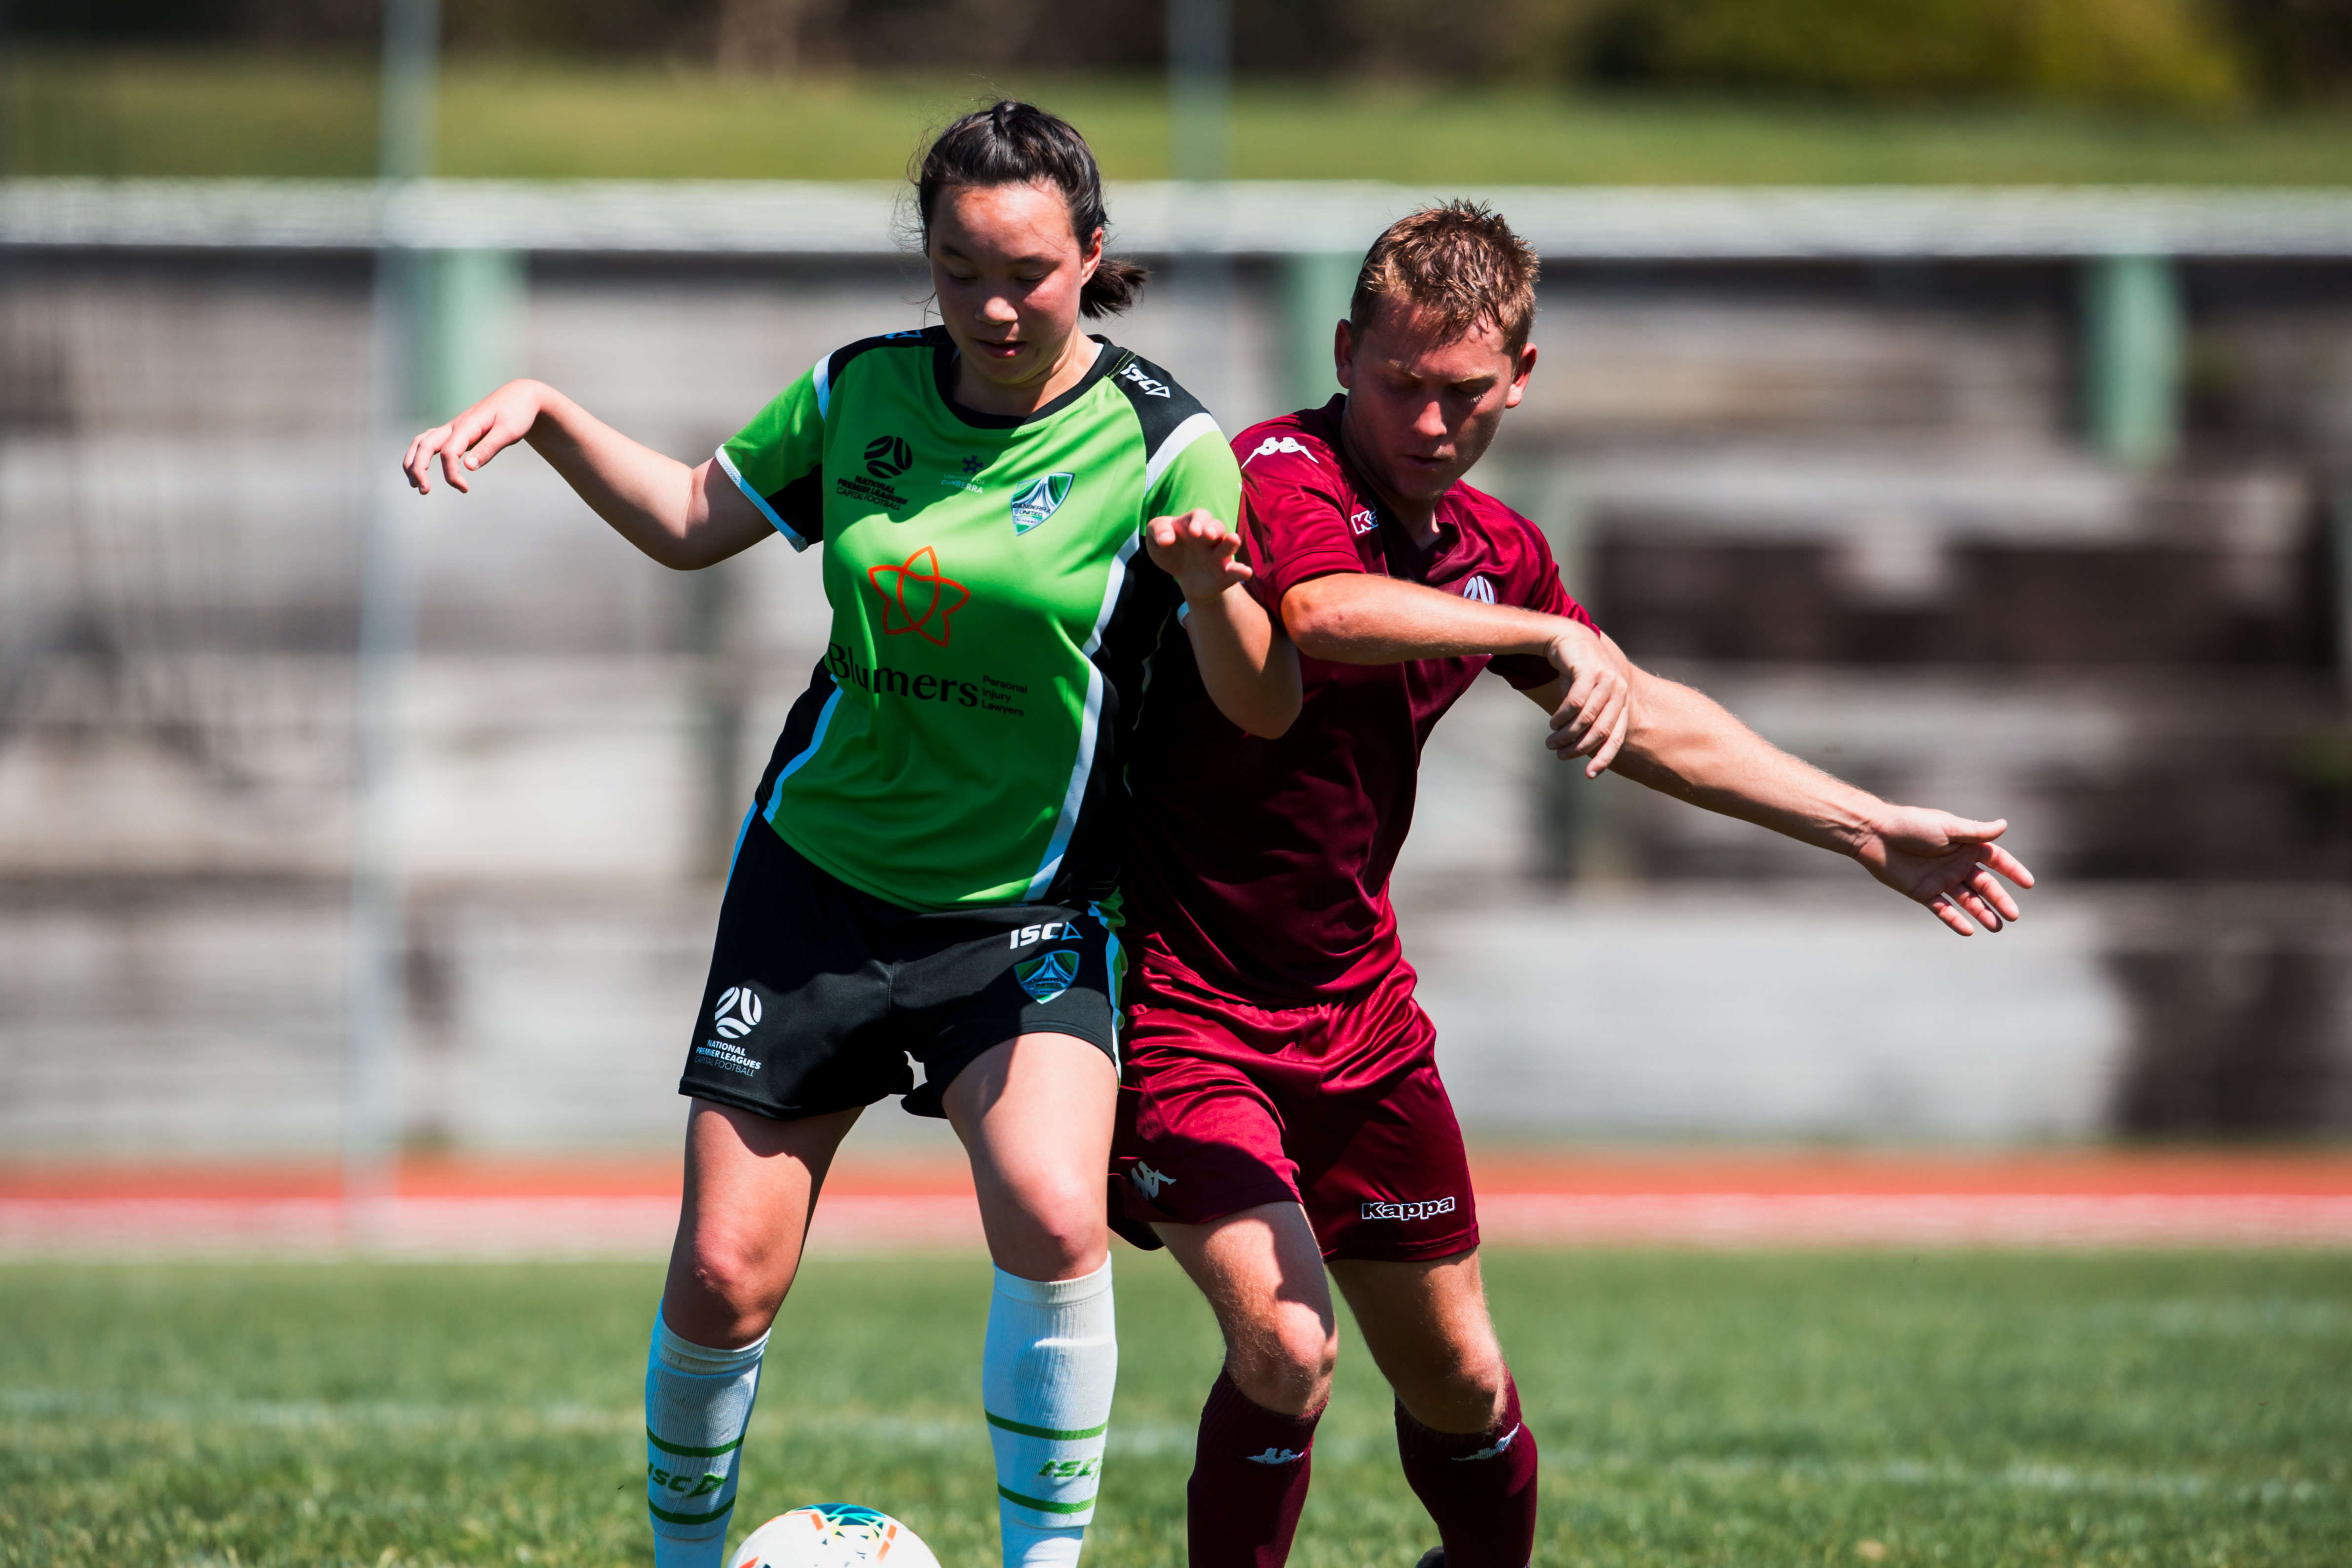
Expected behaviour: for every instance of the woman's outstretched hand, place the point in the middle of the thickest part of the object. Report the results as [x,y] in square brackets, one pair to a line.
[475,436]
[1197,550]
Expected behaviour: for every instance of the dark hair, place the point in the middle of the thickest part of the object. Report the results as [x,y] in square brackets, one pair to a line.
[1011,143]
[1459,262]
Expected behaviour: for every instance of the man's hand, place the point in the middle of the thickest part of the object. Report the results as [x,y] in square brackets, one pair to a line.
[1596,707]
[475,436]
[1946,862]
[1198,552]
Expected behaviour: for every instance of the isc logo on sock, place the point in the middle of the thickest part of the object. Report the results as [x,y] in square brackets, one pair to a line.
[684,1485]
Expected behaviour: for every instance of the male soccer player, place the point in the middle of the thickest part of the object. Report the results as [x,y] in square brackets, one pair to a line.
[1283,1111]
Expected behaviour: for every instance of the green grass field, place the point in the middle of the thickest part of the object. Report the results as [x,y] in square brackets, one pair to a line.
[242,114]
[1769,1409]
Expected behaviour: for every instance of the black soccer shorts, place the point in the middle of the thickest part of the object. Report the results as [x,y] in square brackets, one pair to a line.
[819,993]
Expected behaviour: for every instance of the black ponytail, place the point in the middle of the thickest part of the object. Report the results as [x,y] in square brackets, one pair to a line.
[1011,143]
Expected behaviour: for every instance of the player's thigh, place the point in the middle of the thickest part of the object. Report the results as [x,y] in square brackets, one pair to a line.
[1035,1114]
[1427,1325]
[750,1183]
[1262,1271]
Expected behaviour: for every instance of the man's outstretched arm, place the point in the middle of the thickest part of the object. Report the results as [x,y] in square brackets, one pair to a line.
[1681,743]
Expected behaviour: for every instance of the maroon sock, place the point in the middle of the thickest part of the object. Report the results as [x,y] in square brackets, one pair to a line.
[1249,1481]
[1479,1487]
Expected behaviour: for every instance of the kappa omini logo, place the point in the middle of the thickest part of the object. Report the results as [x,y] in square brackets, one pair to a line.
[888,456]
[1048,975]
[1478,589]
[917,596]
[738,1013]
[1501,1445]
[1277,1456]
[1273,444]
[1040,501]
[1147,1181]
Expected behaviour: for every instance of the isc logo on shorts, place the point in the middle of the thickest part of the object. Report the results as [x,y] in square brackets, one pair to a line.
[1424,1209]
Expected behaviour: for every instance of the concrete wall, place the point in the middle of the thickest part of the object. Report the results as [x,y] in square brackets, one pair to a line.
[1734,465]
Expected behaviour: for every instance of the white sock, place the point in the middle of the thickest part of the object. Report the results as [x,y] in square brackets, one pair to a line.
[697,1401]
[1046,1382]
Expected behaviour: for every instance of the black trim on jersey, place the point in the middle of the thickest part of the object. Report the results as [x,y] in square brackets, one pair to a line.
[912,338]
[1141,623]
[1160,413]
[799,732]
[1144,613]
[943,376]
[802,503]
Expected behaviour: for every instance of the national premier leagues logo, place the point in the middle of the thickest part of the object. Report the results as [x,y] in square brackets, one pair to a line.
[1041,501]
[1048,975]
[917,597]
[888,456]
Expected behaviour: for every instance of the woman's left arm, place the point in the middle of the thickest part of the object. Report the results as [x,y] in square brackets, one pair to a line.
[1248,665]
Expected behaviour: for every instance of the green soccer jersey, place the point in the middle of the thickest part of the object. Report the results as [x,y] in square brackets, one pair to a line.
[994,615]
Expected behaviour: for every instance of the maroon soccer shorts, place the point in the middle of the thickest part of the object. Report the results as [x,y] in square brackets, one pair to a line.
[1338,1107]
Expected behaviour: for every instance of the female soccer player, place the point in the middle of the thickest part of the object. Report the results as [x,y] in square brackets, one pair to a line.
[1013,515]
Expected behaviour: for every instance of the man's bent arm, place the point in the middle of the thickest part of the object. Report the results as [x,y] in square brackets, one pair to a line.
[1682,743]
[1354,617]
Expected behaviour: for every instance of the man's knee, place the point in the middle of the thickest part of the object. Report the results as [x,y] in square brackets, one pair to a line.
[1458,1390]
[1285,1361]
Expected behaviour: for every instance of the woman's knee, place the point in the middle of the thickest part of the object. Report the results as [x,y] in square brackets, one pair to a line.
[1056,1229]
[726,1289]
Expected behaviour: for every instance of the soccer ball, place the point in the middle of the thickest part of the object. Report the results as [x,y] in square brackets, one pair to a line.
[832,1535]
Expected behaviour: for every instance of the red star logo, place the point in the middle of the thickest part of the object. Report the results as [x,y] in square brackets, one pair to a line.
[907,581]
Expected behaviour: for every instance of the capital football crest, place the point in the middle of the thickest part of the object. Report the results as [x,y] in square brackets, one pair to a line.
[1047,975]
[1038,502]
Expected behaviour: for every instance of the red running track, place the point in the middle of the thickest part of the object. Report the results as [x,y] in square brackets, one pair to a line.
[627,1205]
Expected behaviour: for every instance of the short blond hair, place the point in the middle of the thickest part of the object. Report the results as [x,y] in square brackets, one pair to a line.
[1461,263]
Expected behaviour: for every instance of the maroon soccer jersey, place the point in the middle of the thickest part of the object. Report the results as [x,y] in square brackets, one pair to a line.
[1258,869]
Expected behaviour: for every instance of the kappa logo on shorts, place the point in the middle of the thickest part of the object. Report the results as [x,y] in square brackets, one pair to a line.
[1427,1208]
[1048,975]
[738,1013]
[1147,1181]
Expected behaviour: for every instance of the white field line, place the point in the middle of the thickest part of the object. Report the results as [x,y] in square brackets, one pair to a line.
[491,1227]
[967,1434]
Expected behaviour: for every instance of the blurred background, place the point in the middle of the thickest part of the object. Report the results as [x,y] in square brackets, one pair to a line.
[1959,390]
